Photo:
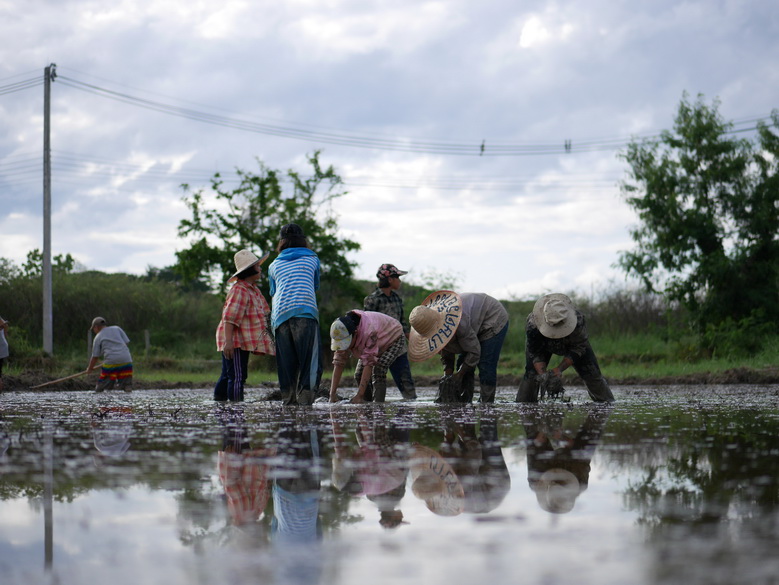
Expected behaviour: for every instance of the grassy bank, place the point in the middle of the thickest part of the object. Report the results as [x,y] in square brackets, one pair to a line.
[625,360]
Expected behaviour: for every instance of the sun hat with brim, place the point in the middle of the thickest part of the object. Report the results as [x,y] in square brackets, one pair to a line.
[434,481]
[244,259]
[555,315]
[556,490]
[433,324]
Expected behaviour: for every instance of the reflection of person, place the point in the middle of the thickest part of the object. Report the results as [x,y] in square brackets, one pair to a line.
[110,343]
[244,475]
[385,300]
[478,462]
[556,327]
[296,529]
[375,468]
[475,340]
[243,328]
[558,464]
[112,432]
[3,348]
[294,280]
[376,340]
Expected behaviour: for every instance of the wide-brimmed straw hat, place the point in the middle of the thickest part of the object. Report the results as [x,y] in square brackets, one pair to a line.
[556,490]
[434,481]
[244,259]
[433,324]
[555,315]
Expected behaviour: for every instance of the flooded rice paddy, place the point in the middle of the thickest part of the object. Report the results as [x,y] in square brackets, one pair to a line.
[669,485]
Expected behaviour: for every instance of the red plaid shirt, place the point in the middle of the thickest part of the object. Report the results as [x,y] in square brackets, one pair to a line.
[245,481]
[248,311]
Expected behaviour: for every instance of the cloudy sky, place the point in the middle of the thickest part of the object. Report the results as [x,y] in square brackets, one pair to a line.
[421,85]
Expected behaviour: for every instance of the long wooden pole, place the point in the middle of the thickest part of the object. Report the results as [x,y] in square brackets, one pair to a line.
[63,379]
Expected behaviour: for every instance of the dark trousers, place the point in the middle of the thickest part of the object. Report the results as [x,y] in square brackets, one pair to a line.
[586,366]
[233,377]
[488,368]
[401,373]
[297,359]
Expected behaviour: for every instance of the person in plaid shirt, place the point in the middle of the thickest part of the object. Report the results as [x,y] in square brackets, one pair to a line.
[385,300]
[243,329]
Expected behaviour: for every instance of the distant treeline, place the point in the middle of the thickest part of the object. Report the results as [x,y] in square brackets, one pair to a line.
[182,323]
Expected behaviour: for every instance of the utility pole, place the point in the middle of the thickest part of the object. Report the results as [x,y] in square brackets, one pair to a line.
[48,328]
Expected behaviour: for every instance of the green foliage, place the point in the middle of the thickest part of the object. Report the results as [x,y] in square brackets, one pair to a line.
[732,338]
[176,320]
[708,206]
[251,215]
[33,266]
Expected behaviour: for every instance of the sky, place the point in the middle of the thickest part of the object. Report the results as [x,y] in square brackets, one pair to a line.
[398,95]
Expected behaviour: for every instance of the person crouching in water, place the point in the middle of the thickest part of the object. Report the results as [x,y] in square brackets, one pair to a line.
[243,329]
[111,343]
[376,340]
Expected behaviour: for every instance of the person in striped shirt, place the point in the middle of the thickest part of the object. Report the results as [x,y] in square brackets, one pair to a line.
[294,280]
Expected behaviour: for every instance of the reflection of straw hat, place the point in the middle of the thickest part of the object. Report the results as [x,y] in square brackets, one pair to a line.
[555,315]
[112,441]
[556,490]
[245,258]
[433,324]
[434,481]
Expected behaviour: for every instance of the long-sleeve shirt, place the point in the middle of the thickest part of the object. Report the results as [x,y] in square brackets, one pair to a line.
[375,333]
[247,310]
[483,317]
[294,280]
[539,348]
[390,304]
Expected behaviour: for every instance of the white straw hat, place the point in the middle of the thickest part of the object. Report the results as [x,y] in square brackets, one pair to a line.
[433,324]
[556,490]
[555,315]
[245,258]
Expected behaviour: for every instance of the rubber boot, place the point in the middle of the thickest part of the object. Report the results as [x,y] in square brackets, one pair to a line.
[305,397]
[467,388]
[379,390]
[288,398]
[528,390]
[487,394]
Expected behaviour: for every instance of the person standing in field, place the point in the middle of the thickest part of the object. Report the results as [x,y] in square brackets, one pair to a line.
[554,326]
[3,348]
[385,300]
[110,343]
[243,329]
[467,330]
[376,340]
[294,280]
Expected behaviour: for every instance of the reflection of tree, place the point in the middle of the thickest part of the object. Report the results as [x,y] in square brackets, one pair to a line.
[725,467]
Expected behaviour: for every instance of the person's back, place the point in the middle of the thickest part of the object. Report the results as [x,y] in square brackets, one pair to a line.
[111,344]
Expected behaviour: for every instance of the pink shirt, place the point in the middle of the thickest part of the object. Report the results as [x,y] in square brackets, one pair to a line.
[375,333]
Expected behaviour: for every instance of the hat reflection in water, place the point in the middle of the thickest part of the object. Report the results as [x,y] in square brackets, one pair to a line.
[434,481]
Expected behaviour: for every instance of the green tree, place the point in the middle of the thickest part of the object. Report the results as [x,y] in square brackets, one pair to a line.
[33,266]
[708,205]
[250,215]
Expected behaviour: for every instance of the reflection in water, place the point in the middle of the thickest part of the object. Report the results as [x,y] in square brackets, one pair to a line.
[376,466]
[558,461]
[170,488]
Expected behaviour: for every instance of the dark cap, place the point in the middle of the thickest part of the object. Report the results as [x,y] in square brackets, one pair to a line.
[291,230]
[97,321]
[387,270]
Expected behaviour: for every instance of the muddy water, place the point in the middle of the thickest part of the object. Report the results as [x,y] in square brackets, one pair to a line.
[670,485]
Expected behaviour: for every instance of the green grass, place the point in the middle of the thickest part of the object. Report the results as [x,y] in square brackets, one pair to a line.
[632,357]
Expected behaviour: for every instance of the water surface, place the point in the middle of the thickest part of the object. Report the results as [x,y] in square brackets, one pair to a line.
[669,485]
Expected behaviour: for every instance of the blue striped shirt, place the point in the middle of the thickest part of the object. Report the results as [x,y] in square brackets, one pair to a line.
[294,280]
